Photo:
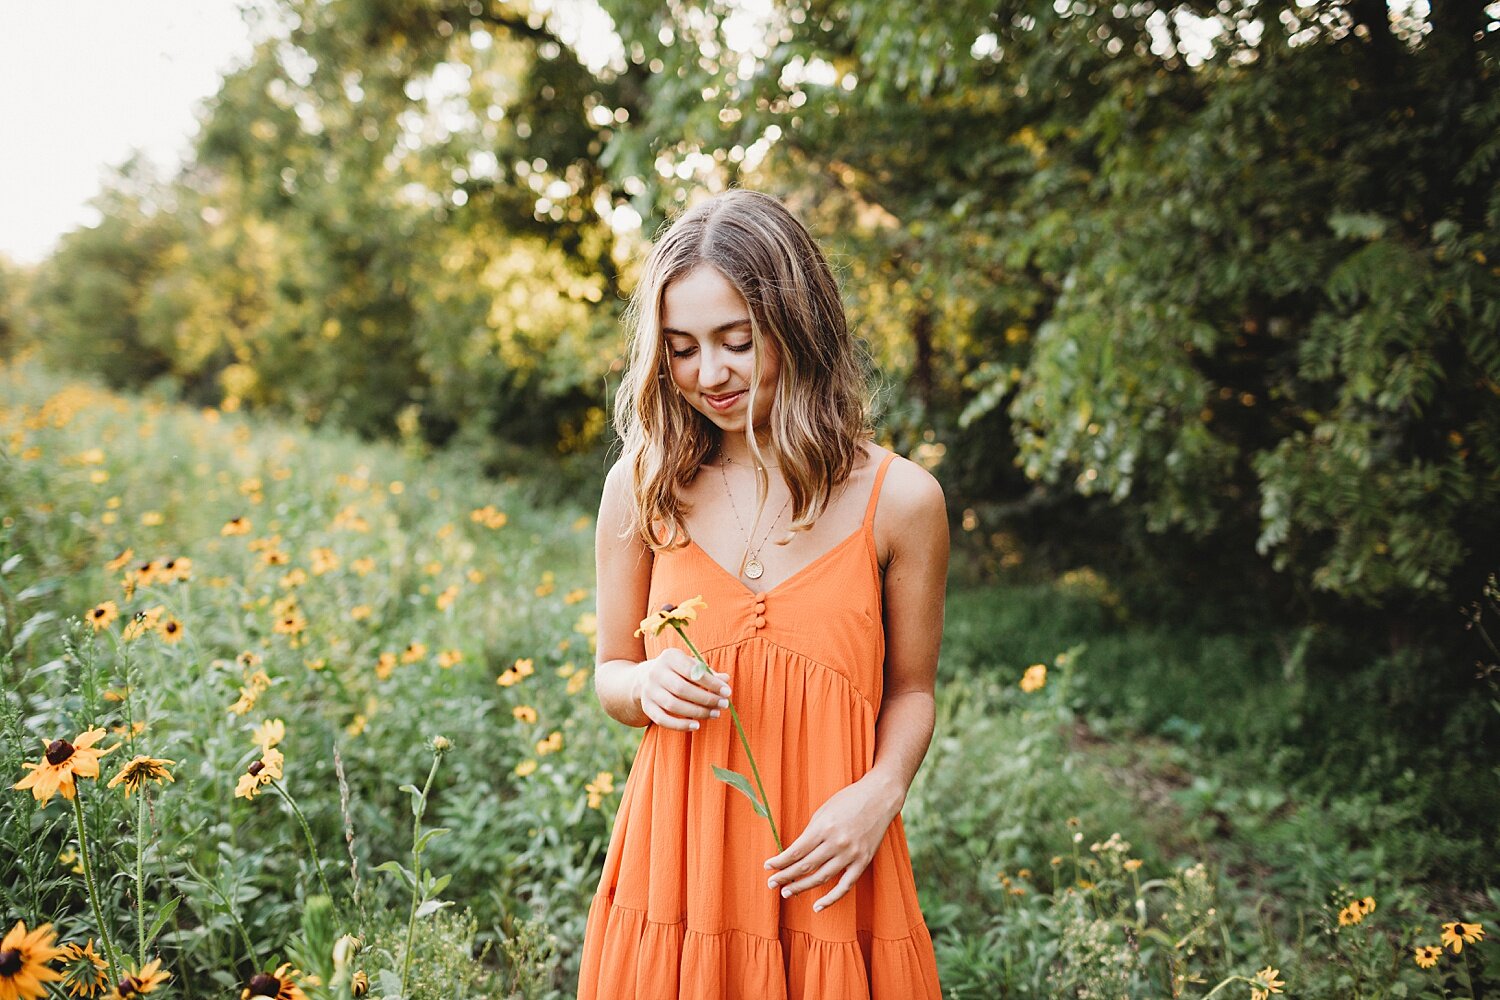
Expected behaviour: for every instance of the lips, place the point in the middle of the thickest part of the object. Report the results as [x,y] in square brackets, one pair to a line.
[725,401]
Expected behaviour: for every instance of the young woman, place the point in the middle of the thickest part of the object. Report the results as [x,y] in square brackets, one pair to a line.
[749,478]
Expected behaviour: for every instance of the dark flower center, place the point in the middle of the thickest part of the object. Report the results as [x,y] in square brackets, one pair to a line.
[263,984]
[256,767]
[58,751]
[667,609]
[130,986]
[10,962]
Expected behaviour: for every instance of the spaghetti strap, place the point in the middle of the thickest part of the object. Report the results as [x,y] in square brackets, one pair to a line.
[875,492]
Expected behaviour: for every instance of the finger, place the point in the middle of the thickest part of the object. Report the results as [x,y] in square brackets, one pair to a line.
[685,709]
[689,691]
[796,851]
[845,883]
[661,717]
[829,867]
[810,861]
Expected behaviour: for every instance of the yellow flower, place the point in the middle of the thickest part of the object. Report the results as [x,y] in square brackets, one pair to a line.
[236,526]
[296,578]
[24,960]
[448,657]
[140,982]
[1034,678]
[524,713]
[385,665]
[140,770]
[260,772]
[278,985]
[119,561]
[102,614]
[142,622]
[177,569]
[61,763]
[70,857]
[525,767]
[269,733]
[1350,914]
[551,744]
[1366,905]
[363,566]
[1427,955]
[548,584]
[574,596]
[413,652]
[248,660]
[1132,864]
[291,623]
[602,785]
[524,668]
[447,597]
[323,560]
[356,725]
[1457,932]
[85,973]
[170,630]
[577,681]
[1267,978]
[670,614]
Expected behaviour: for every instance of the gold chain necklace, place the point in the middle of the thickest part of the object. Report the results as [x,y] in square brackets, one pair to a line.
[754,568]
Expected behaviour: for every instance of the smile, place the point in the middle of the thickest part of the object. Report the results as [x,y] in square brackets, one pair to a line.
[723,402]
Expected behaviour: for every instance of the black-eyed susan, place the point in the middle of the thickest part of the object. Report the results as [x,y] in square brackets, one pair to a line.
[670,614]
[141,769]
[101,614]
[447,597]
[525,668]
[248,660]
[119,561]
[385,665]
[575,596]
[364,566]
[279,985]
[236,526]
[170,630]
[62,762]
[413,652]
[260,772]
[524,713]
[141,981]
[1456,933]
[1035,678]
[359,983]
[291,623]
[142,622]
[85,973]
[268,734]
[1266,979]
[525,768]
[602,785]
[26,962]
[177,569]
[1427,955]
[551,744]
[449,657]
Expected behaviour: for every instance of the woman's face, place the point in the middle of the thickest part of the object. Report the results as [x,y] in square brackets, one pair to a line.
[706,324]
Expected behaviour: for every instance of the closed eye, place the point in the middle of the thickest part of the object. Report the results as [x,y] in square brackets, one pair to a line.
[687,352]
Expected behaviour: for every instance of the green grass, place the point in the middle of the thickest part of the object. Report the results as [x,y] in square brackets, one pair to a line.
[1191,745]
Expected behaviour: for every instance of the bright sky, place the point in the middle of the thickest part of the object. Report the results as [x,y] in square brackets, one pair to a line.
[84,83]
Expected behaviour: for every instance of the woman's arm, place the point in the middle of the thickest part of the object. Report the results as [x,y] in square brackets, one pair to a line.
[622,585]
[844,833]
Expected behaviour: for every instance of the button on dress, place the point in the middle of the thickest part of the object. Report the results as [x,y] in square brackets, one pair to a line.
[682,911]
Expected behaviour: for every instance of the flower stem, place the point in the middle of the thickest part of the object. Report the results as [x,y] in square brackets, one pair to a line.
[140,878]
[744,741]
[416,869]
[88,878]
[312,848]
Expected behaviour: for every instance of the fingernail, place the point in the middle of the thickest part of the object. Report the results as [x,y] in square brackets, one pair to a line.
[817,907]
[724,691]
[768,866]
[770,883]
[713,713]
[723,703]
[785,893]
[692,725]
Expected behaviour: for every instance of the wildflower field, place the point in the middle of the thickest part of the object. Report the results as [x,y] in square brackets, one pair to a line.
[289,714]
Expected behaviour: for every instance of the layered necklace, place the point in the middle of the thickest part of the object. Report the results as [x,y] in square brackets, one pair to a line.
[752,567]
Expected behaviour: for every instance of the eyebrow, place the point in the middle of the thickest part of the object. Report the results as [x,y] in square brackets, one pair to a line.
[718,329]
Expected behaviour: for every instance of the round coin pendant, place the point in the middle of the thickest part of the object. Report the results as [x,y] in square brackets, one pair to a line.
[753,569]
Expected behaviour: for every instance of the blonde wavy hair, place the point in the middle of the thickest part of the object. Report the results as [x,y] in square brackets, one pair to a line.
[820,413]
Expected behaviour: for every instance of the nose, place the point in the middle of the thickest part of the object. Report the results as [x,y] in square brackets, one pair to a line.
[713,368]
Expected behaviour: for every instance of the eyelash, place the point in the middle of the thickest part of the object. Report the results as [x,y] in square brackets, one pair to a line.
[736,348]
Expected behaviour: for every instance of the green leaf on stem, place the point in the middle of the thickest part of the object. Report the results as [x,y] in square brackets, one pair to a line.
[736,780]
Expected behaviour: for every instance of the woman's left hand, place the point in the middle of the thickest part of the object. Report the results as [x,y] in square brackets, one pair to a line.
[841,837]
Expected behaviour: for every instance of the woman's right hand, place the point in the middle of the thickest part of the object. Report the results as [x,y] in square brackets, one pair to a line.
[669,696]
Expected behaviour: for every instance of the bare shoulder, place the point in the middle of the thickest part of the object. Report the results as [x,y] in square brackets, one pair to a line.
[912,514]
[617,504]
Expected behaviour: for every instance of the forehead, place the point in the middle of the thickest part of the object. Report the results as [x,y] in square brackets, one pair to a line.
[701,302]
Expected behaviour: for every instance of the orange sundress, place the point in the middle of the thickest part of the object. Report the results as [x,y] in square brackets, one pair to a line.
[682,911]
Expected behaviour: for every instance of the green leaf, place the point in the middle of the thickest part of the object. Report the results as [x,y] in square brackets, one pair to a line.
[435,832]
[162,916]
[432,906]
[400,869]
[736,780]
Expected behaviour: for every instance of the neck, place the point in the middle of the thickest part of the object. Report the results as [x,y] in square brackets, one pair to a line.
[733,448]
